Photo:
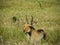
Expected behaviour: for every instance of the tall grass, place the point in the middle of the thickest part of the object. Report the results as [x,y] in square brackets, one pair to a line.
[48,18]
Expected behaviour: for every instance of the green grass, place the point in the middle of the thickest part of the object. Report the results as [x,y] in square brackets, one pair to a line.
[48,16]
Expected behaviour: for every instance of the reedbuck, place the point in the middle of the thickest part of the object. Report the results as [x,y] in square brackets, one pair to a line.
[34,36]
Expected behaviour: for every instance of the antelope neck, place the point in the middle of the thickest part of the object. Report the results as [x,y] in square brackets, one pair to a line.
[29,33]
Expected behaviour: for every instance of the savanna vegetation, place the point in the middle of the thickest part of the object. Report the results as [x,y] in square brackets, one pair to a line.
[12,20]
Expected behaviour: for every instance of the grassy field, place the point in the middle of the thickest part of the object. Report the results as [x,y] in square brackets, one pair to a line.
[47,12]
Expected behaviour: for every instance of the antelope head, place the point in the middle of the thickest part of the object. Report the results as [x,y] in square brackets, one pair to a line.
[28,27]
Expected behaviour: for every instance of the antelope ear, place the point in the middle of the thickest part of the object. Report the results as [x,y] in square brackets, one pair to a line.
[31,27]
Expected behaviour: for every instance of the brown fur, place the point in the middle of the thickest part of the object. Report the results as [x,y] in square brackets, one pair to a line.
[33,35]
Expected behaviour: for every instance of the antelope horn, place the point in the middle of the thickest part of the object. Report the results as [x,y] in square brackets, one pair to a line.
[27,20]
[31,20]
